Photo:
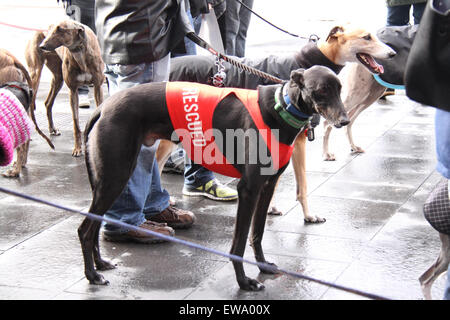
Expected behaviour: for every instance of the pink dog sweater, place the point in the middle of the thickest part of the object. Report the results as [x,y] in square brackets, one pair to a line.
[15,126]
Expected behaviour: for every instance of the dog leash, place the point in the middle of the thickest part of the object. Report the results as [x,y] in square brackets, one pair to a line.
[20,27]
[220,75]
[387,84]
[202,43]
[261,265]
[312,37]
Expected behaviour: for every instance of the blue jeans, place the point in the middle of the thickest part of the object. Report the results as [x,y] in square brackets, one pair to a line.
[442,132]
[195,175]
[143,194]
[399,15]
[447,286]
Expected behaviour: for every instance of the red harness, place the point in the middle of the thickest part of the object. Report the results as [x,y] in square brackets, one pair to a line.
[191,107]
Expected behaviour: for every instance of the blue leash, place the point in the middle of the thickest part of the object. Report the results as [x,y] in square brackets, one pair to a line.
[387,84]
[261,265]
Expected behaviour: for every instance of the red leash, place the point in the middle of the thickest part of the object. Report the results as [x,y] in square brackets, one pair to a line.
[20,27]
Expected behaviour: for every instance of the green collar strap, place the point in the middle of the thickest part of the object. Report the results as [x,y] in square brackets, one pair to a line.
[288,117]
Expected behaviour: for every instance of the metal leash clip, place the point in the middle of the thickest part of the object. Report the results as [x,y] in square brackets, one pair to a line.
[220,76]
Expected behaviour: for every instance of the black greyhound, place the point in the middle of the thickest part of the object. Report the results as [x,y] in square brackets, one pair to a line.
[139,115]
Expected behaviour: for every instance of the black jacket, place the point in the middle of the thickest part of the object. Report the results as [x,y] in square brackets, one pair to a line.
[399,38]
[201,69]
[132,32]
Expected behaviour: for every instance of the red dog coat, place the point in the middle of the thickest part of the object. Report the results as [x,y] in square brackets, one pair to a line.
[191,107]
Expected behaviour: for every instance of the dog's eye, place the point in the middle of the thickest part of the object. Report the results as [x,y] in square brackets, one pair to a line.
[368,37]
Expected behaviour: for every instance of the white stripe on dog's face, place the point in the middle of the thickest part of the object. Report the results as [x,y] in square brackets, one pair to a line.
[362,46]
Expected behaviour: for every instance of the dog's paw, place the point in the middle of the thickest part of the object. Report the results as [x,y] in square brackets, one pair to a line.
[77,152]
[329,157]
[250,284]
[104,265]
[11,173]
[55,132]
[314,219]
[356,149]
[273,211]
[98,279]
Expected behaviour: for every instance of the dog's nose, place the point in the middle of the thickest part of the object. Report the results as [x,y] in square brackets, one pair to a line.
[43,47]
[344,120]
[392,54]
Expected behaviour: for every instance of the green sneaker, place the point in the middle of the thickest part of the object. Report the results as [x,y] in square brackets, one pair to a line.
[213,190]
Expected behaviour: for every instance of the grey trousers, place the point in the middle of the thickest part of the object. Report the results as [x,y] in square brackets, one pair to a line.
[237,20]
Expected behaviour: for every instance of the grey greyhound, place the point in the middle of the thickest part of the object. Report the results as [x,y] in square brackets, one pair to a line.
[140,115]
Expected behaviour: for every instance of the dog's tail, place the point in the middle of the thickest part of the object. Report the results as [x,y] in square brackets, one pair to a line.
[22,68]
[89,125]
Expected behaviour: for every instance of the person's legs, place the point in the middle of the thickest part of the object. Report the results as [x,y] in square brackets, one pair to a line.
[199,181]
[244,22]
[418,9]
[398,15]
[195,175]
[231,26]
[158,198]
[129,206]
[447,286]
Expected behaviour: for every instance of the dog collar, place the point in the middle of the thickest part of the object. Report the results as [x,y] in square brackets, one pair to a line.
[290,114]
[387,84]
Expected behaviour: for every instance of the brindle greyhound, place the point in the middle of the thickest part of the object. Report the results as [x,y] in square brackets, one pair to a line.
[115,132]
[71,52]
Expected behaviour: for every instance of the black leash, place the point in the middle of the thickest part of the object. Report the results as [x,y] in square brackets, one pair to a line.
[312,37]
[202,43]
[265,20]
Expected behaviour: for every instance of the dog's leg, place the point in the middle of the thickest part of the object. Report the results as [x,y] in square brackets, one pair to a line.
[21,160]
[86,232]
[98,95]
[259,222]
[440,266]
[163,153]
[107,182]
[299,165]
[100,264]
[56,85]
[327,156]
[248,198]
[273,211]
[73,94]
[35,75]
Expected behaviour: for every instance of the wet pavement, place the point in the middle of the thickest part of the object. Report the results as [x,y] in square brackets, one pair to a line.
[375,238]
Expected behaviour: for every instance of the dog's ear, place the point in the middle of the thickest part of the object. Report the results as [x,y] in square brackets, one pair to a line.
[335,32]
[80,31]
[297,77]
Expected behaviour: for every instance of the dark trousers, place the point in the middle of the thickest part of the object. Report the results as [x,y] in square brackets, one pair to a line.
[399,15]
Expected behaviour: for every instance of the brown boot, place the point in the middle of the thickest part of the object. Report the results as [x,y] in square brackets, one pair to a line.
[140,236]
[174,217]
